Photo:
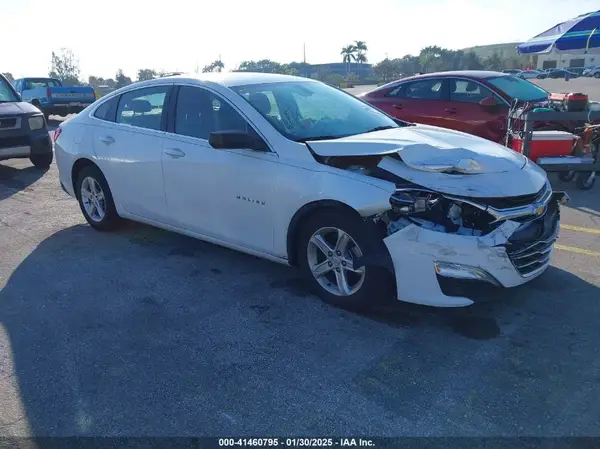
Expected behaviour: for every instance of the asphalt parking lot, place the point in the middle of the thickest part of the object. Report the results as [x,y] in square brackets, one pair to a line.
[145,332]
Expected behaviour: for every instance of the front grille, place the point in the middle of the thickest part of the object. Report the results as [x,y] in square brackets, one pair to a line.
[13,141]
[529,248]
[513,201]
[8,123]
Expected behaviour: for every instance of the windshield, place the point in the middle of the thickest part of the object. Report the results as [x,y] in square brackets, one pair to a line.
[311,110]
[6,92]
[518,88]
[33,83]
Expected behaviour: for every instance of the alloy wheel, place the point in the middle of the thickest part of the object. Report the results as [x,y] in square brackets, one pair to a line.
[93,199]
[331,255]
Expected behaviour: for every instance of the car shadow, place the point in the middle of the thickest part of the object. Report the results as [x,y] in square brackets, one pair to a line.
[14,180]
[112,340]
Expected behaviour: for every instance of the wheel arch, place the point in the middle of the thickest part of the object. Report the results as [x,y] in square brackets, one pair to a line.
[303,214]
[79,165]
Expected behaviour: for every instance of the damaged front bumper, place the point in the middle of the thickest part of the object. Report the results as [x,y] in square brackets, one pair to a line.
[440,268]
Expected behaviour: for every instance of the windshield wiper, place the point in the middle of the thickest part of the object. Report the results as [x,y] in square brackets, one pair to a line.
[380,128]
[307,139]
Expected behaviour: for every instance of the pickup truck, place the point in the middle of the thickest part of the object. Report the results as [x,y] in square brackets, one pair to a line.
[23,130]
[52,98]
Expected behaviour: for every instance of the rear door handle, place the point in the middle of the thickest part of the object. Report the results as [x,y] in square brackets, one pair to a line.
[108,140]
[397,106]
[175,153]
[450,110]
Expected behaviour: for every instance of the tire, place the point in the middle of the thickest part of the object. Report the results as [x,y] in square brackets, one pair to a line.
[42,161]
[597,75]
[95,199]
[566,176]
[585,181]
[367,285]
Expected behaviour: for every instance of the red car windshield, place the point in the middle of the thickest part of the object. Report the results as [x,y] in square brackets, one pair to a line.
[518,88]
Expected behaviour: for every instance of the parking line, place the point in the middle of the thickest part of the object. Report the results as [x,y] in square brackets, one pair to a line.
[576,250]
[580,229]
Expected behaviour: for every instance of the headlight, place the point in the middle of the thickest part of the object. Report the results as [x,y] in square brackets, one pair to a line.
[36,122]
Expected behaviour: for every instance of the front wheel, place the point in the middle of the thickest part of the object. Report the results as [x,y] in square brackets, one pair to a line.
[42,161]
[95,199]
[332,246]
[585,181]
[566,176]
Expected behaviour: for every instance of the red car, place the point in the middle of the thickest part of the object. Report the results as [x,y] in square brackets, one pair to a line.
[475,102]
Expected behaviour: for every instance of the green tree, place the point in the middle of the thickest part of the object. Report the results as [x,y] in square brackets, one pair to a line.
[121,80]
[9,76]
[64,66]
[215,66]
[146,74]
[494,62]
[262,66]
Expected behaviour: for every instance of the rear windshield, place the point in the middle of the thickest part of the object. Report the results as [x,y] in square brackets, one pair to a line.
[33,83]
[6,92]
[518,88]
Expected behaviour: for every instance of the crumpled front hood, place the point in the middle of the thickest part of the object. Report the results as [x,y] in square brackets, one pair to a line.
[428,148]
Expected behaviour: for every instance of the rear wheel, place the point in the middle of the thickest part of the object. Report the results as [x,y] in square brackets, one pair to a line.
[566,176]
[586,181]
[95,199]
[42,161]
[331,245]
[597,75]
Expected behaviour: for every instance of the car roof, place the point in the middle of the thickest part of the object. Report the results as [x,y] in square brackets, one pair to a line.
[477,74]
[232,79]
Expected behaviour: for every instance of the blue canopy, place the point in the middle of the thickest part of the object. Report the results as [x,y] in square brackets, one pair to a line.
[578,35]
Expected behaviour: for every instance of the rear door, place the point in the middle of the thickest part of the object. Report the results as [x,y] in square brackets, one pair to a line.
[469,116]
[128,141]
[420,101]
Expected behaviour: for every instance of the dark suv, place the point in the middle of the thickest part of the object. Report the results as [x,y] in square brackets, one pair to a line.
[23,130]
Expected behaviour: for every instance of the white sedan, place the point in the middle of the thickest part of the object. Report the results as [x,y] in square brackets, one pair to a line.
[301,173]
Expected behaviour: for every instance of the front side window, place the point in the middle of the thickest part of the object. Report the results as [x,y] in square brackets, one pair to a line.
[518,88]
[311,110]
[199,112]
[6,92]
[143,108]
[467,91]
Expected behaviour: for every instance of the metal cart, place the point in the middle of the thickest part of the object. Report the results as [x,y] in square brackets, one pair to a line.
[584,167]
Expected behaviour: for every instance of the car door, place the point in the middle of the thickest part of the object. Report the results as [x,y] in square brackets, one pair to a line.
[420,101]
[128,143]
[469,116]
[224,194]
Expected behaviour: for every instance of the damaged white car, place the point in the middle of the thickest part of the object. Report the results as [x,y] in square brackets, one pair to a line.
[301,173]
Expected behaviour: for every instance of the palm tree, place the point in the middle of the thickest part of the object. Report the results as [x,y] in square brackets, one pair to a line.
[348,53]
[361,49]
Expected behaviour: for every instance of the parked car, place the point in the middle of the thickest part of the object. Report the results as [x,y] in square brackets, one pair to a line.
[476,102]
[52,98]
[561,73]
[512,71]
[295,171]
[528,74]
[592,72]
[577,70]
[23,131]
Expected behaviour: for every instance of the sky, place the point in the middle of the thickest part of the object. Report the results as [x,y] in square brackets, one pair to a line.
[178,35]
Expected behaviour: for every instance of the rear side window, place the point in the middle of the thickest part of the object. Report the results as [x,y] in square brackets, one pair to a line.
[429,89]
[143,108]
[107,110]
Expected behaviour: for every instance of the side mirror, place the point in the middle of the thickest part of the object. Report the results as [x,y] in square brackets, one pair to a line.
[488,102]
[231,140]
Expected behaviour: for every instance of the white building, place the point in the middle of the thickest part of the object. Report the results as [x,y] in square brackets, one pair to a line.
[557,60]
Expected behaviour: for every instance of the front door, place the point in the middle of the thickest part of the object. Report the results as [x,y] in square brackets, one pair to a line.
[223,194]
[469,116]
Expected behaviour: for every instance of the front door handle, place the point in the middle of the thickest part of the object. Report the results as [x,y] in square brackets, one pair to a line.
[397,106]
[450,110]
[108,140]
[175,153]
